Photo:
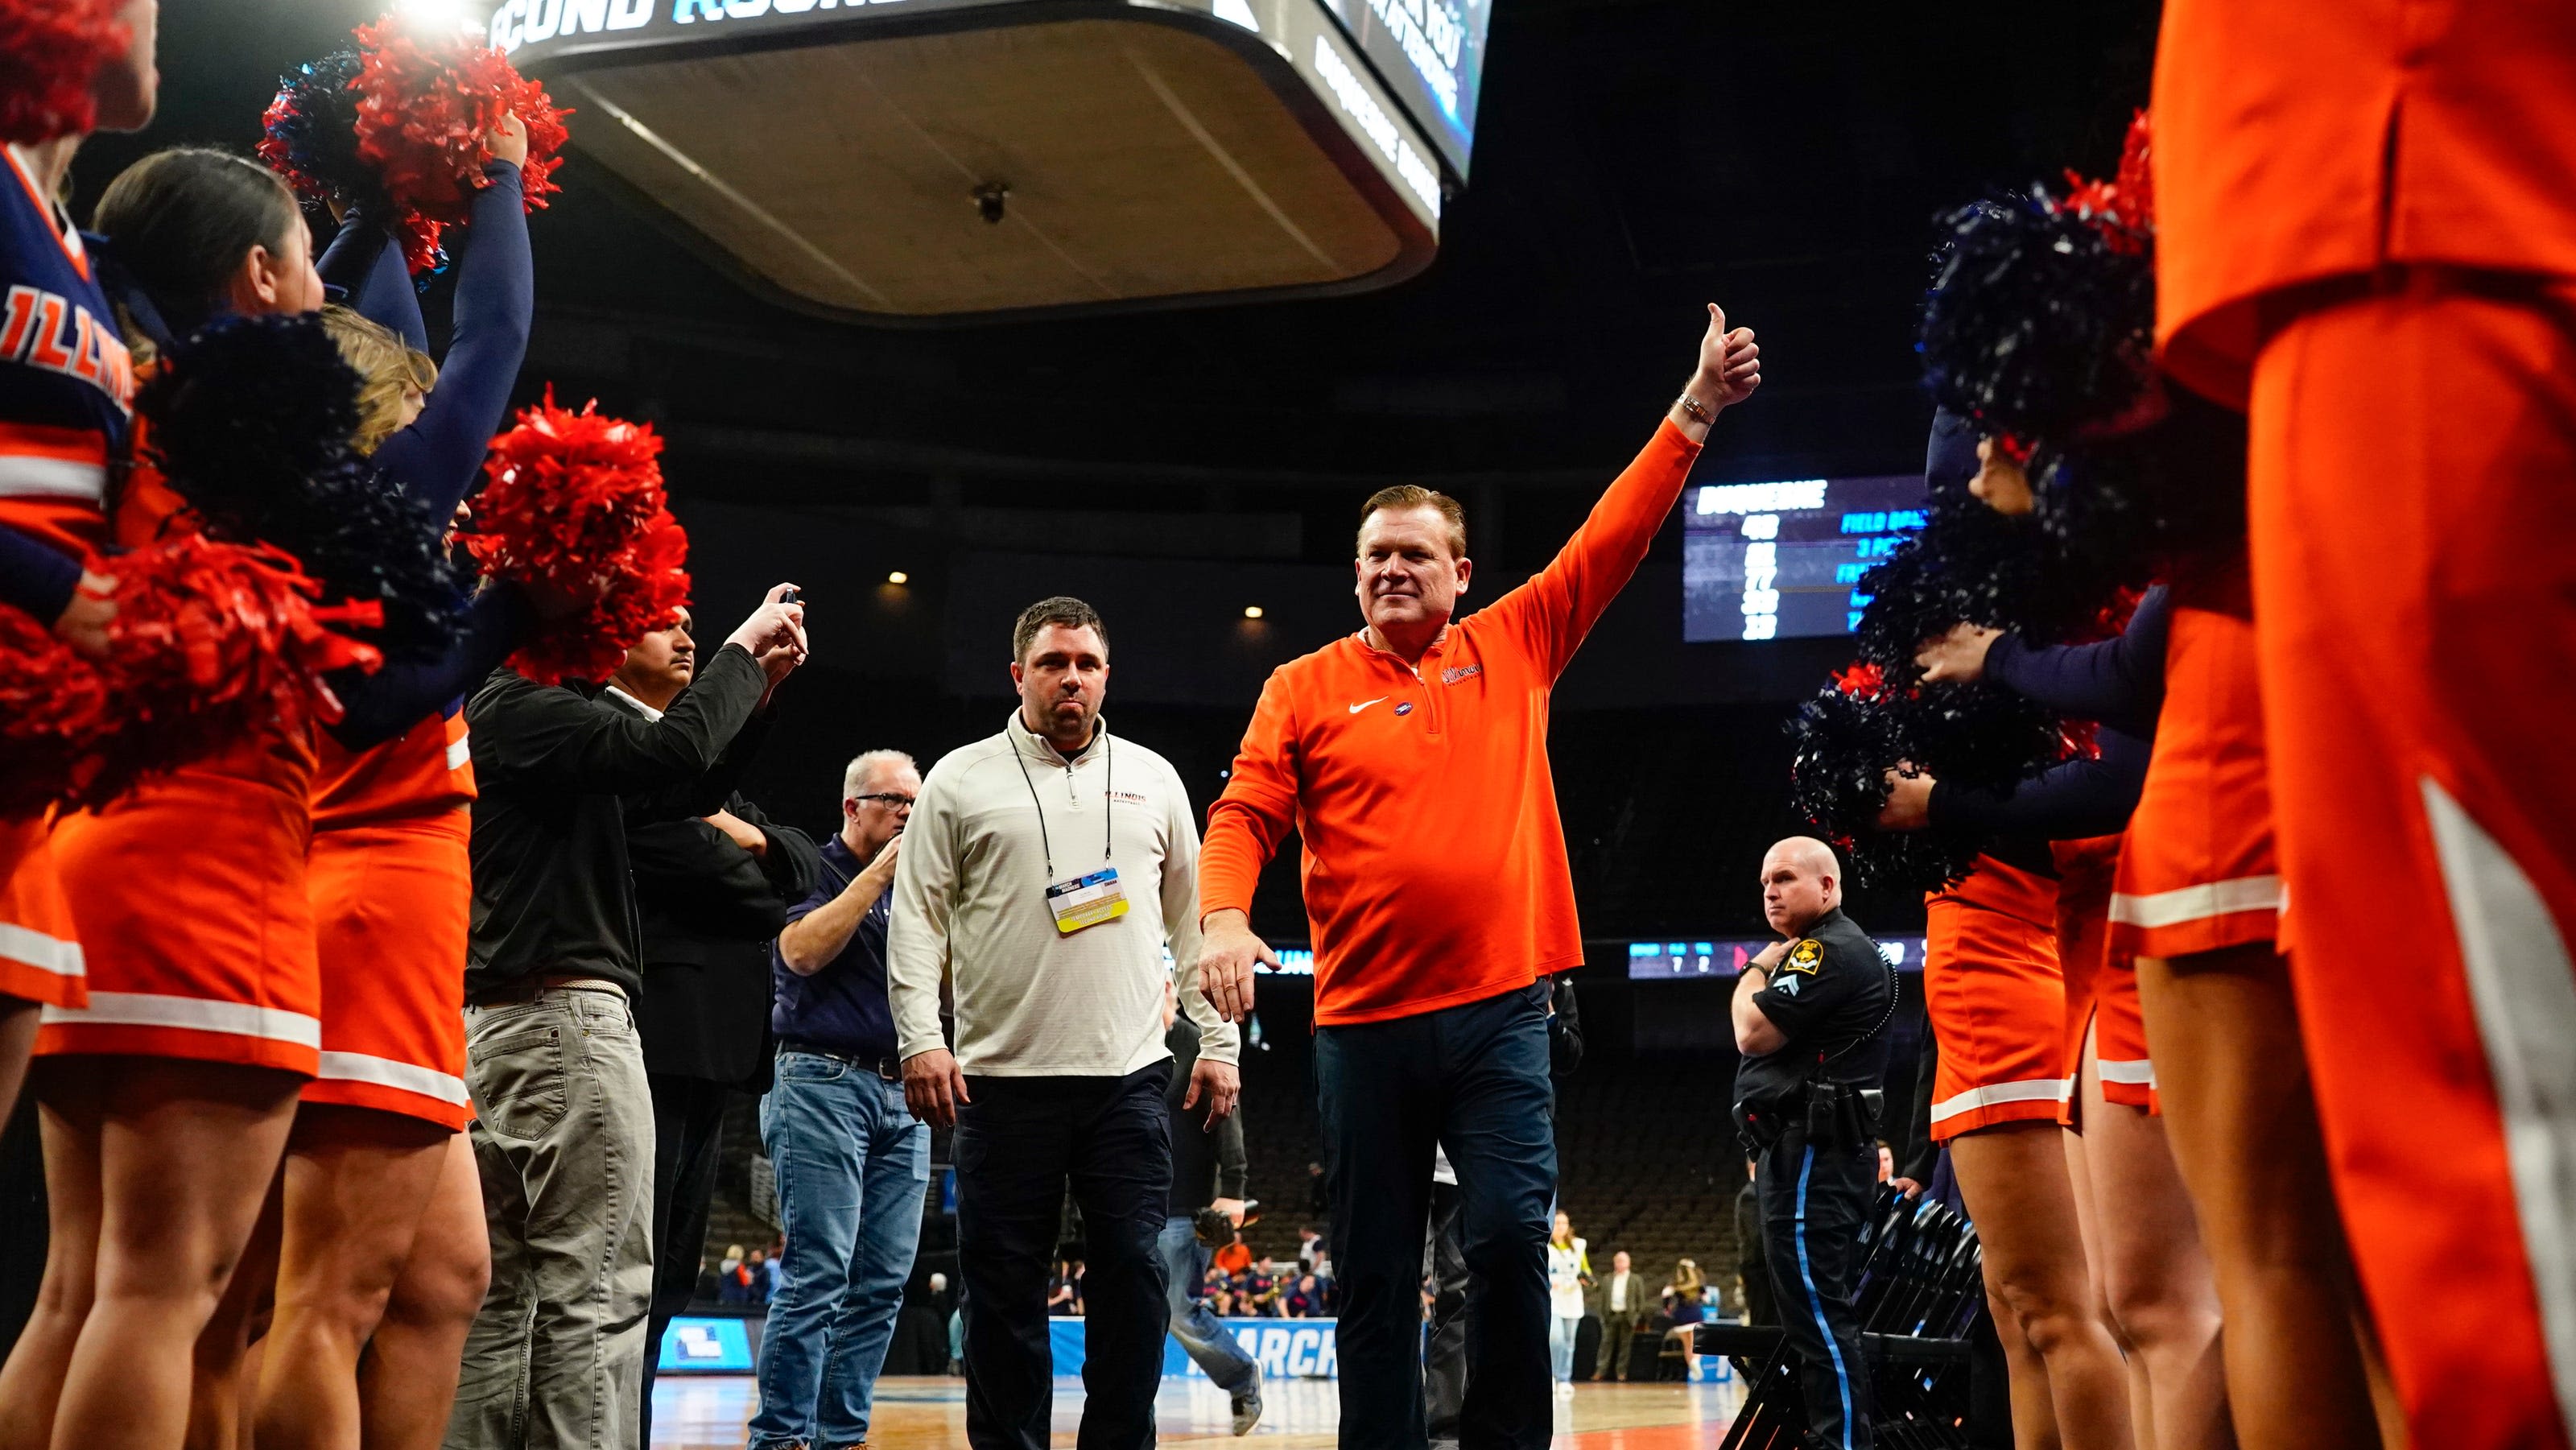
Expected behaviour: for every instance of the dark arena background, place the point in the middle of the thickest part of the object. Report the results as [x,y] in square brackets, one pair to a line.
[1189,456]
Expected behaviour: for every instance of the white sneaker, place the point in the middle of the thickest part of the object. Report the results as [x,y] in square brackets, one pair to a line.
[1565,1388]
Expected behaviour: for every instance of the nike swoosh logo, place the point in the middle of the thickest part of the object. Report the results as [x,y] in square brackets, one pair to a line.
[1364,704]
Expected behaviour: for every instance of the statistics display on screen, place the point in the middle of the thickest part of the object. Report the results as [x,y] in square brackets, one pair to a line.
[1784,560]
[1671,961]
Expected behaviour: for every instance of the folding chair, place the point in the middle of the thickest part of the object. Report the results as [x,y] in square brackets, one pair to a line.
[1918,1295]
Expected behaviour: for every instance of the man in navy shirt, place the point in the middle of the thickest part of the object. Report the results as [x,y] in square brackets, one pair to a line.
[852,1161]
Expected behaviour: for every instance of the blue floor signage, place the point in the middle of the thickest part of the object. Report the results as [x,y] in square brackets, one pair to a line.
[1285,1348]
[705,1346]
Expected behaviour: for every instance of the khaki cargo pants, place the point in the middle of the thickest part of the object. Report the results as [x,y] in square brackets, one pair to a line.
[563,1134]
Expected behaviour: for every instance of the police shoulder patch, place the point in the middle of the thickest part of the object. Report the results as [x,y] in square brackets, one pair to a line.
[1807,956]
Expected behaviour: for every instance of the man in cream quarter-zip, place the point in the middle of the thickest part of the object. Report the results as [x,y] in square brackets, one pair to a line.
[1044,873]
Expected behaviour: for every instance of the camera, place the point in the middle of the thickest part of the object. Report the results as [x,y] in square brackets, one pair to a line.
[1216,1231]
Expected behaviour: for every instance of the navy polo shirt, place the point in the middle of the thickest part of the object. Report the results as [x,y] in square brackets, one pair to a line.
[841,1008]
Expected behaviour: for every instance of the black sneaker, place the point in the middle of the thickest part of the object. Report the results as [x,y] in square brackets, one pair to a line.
[1247,1404]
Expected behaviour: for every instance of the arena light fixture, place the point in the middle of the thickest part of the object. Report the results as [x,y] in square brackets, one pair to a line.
[898,577]
[1252,611]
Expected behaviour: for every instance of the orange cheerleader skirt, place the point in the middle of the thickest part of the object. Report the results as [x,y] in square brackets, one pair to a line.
[390,906]
[195,924]
[2198,873]
[40,952]
[1997,1000]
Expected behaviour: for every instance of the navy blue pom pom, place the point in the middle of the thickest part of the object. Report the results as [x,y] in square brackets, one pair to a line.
[251,421]
[2040,318]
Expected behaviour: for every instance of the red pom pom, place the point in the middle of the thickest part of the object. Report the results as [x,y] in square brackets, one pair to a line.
[2125,206]
[575,508]
[49,52]
[52,702]
[1862,681]
[425,105]
[212,641]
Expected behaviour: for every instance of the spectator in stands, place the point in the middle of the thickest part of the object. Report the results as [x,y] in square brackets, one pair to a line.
[1221,1304]
[1685,1303]
[1310,1247]
[1046,872]
[1569,1273]
[1235,1259]
[757,1280]
[564,1137]
[710,893]
[1064,1295]
[1411,759]
[1620,1301]
[1319,1198]
[853,1162]
[1886,1161]
[1306,1301]
[733,1281]
[1752,1255]
[1208,1173]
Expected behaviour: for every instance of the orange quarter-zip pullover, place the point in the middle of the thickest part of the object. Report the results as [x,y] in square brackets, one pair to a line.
[1435,870]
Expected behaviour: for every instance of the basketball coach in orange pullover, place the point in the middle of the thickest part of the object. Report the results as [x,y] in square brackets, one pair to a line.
[1411,756]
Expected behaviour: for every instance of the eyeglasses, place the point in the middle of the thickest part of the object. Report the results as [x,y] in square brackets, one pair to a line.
[888,799]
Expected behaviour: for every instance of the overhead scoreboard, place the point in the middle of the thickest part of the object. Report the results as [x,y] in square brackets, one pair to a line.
[972,159]
[1784,560]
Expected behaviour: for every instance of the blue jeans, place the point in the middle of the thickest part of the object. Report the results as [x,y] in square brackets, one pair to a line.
[852,1166]
[1560,1348]
[1472,1078]
[1185,1266]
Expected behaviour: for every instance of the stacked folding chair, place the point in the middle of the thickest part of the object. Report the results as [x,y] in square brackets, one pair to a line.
[1919,1295]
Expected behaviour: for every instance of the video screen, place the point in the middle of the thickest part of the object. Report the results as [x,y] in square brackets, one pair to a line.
[1672,961]
[1784,560]
[1431,53]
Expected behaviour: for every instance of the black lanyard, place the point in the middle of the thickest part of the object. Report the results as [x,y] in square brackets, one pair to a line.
[1108,776]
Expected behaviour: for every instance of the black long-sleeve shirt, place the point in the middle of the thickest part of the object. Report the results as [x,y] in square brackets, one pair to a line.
[2118,683]
[561,775]
[708,909]
[1206,1165]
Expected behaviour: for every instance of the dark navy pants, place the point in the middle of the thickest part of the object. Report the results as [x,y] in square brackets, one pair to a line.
[1472,1078]
[1019,1145]
[1814,1202]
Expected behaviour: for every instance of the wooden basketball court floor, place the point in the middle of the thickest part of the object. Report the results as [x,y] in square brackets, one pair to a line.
[709,1413]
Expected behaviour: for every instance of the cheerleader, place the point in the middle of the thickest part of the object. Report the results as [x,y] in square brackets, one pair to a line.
[2149,1265]
[2198,904]
[378,1174]
[2038,327]
[66,393]
[168,1097]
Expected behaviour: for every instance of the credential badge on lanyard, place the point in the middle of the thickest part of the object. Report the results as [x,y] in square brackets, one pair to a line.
[1079,901]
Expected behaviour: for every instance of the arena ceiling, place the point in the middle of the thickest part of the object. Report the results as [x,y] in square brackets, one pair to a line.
[1633,157]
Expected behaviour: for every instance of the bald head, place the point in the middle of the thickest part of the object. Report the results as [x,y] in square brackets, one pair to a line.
[1801,881]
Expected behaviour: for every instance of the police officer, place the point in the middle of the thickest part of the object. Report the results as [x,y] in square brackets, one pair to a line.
[1809,1014]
